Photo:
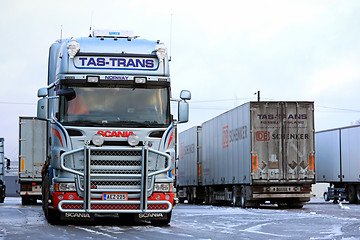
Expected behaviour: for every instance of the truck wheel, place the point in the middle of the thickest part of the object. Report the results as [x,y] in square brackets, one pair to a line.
[351,192]
[326,197]
[51,215]
[358,193]
[242,198]
[163,222]
[235,199]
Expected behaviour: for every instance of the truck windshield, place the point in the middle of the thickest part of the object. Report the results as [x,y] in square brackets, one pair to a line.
[135,107]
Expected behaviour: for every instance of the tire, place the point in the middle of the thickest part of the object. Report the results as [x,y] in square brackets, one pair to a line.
[242,198]
[358,193]
[326,197]
[2,195]
[235,199]
[190,196]
[351,192]
[208,196]
[51,215]
[162,222]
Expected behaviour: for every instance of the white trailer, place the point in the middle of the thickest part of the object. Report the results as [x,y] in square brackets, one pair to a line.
[32,152]
[338,162]
[257,152]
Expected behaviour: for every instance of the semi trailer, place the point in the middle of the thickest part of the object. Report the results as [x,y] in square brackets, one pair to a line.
[32,152]
[338,162]
[252,154]
[109,129]
[2,171]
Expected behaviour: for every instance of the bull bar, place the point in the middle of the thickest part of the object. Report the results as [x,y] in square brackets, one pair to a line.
[144,176]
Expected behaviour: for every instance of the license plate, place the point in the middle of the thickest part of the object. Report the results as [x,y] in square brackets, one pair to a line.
[115,196]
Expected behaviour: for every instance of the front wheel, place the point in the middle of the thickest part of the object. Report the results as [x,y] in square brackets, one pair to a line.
[51,215]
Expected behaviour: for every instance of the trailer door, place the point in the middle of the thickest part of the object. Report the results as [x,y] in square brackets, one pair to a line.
[282,142]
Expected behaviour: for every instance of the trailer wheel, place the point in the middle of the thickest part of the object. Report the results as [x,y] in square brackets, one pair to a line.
[326,197]
[242,198]
[351,192]
[208,196]
[358,193]
[235,198]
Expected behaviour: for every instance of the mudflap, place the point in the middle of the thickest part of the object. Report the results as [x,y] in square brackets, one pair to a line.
[151,216]
[73,216]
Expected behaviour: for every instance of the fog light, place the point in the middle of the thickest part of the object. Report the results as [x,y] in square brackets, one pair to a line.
[158,197]
[71,197]
[167,197]
[133,140]
[98,140]
[60,197]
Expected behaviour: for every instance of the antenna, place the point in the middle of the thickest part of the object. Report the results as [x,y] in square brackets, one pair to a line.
[61,33]
[170,36]
[91,18]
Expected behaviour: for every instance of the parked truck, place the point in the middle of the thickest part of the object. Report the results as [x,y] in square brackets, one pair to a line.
[338,162]
[2,171]
[254,153]
[32,152]
[109,131]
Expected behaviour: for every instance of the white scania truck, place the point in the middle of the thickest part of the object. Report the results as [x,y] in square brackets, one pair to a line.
[110,133]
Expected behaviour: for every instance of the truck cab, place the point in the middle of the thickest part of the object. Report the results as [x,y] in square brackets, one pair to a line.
[110,144]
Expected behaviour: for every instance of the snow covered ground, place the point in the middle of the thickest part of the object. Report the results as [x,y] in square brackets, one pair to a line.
[317,220]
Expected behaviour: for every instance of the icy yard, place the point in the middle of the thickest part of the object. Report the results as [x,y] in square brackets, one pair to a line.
[317,220]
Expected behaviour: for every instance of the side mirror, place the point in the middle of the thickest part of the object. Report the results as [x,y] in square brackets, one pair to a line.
[183,112]
[185,95]
[42,92]
[42,106]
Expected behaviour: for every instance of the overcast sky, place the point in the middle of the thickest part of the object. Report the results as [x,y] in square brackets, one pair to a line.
[224,52]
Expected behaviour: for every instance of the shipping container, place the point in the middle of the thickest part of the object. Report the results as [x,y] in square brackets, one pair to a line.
[338,162]
[257,152]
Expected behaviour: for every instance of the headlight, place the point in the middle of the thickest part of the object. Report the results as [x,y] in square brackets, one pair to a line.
[133,140]
[98,140]
[65,187]
[162,187]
